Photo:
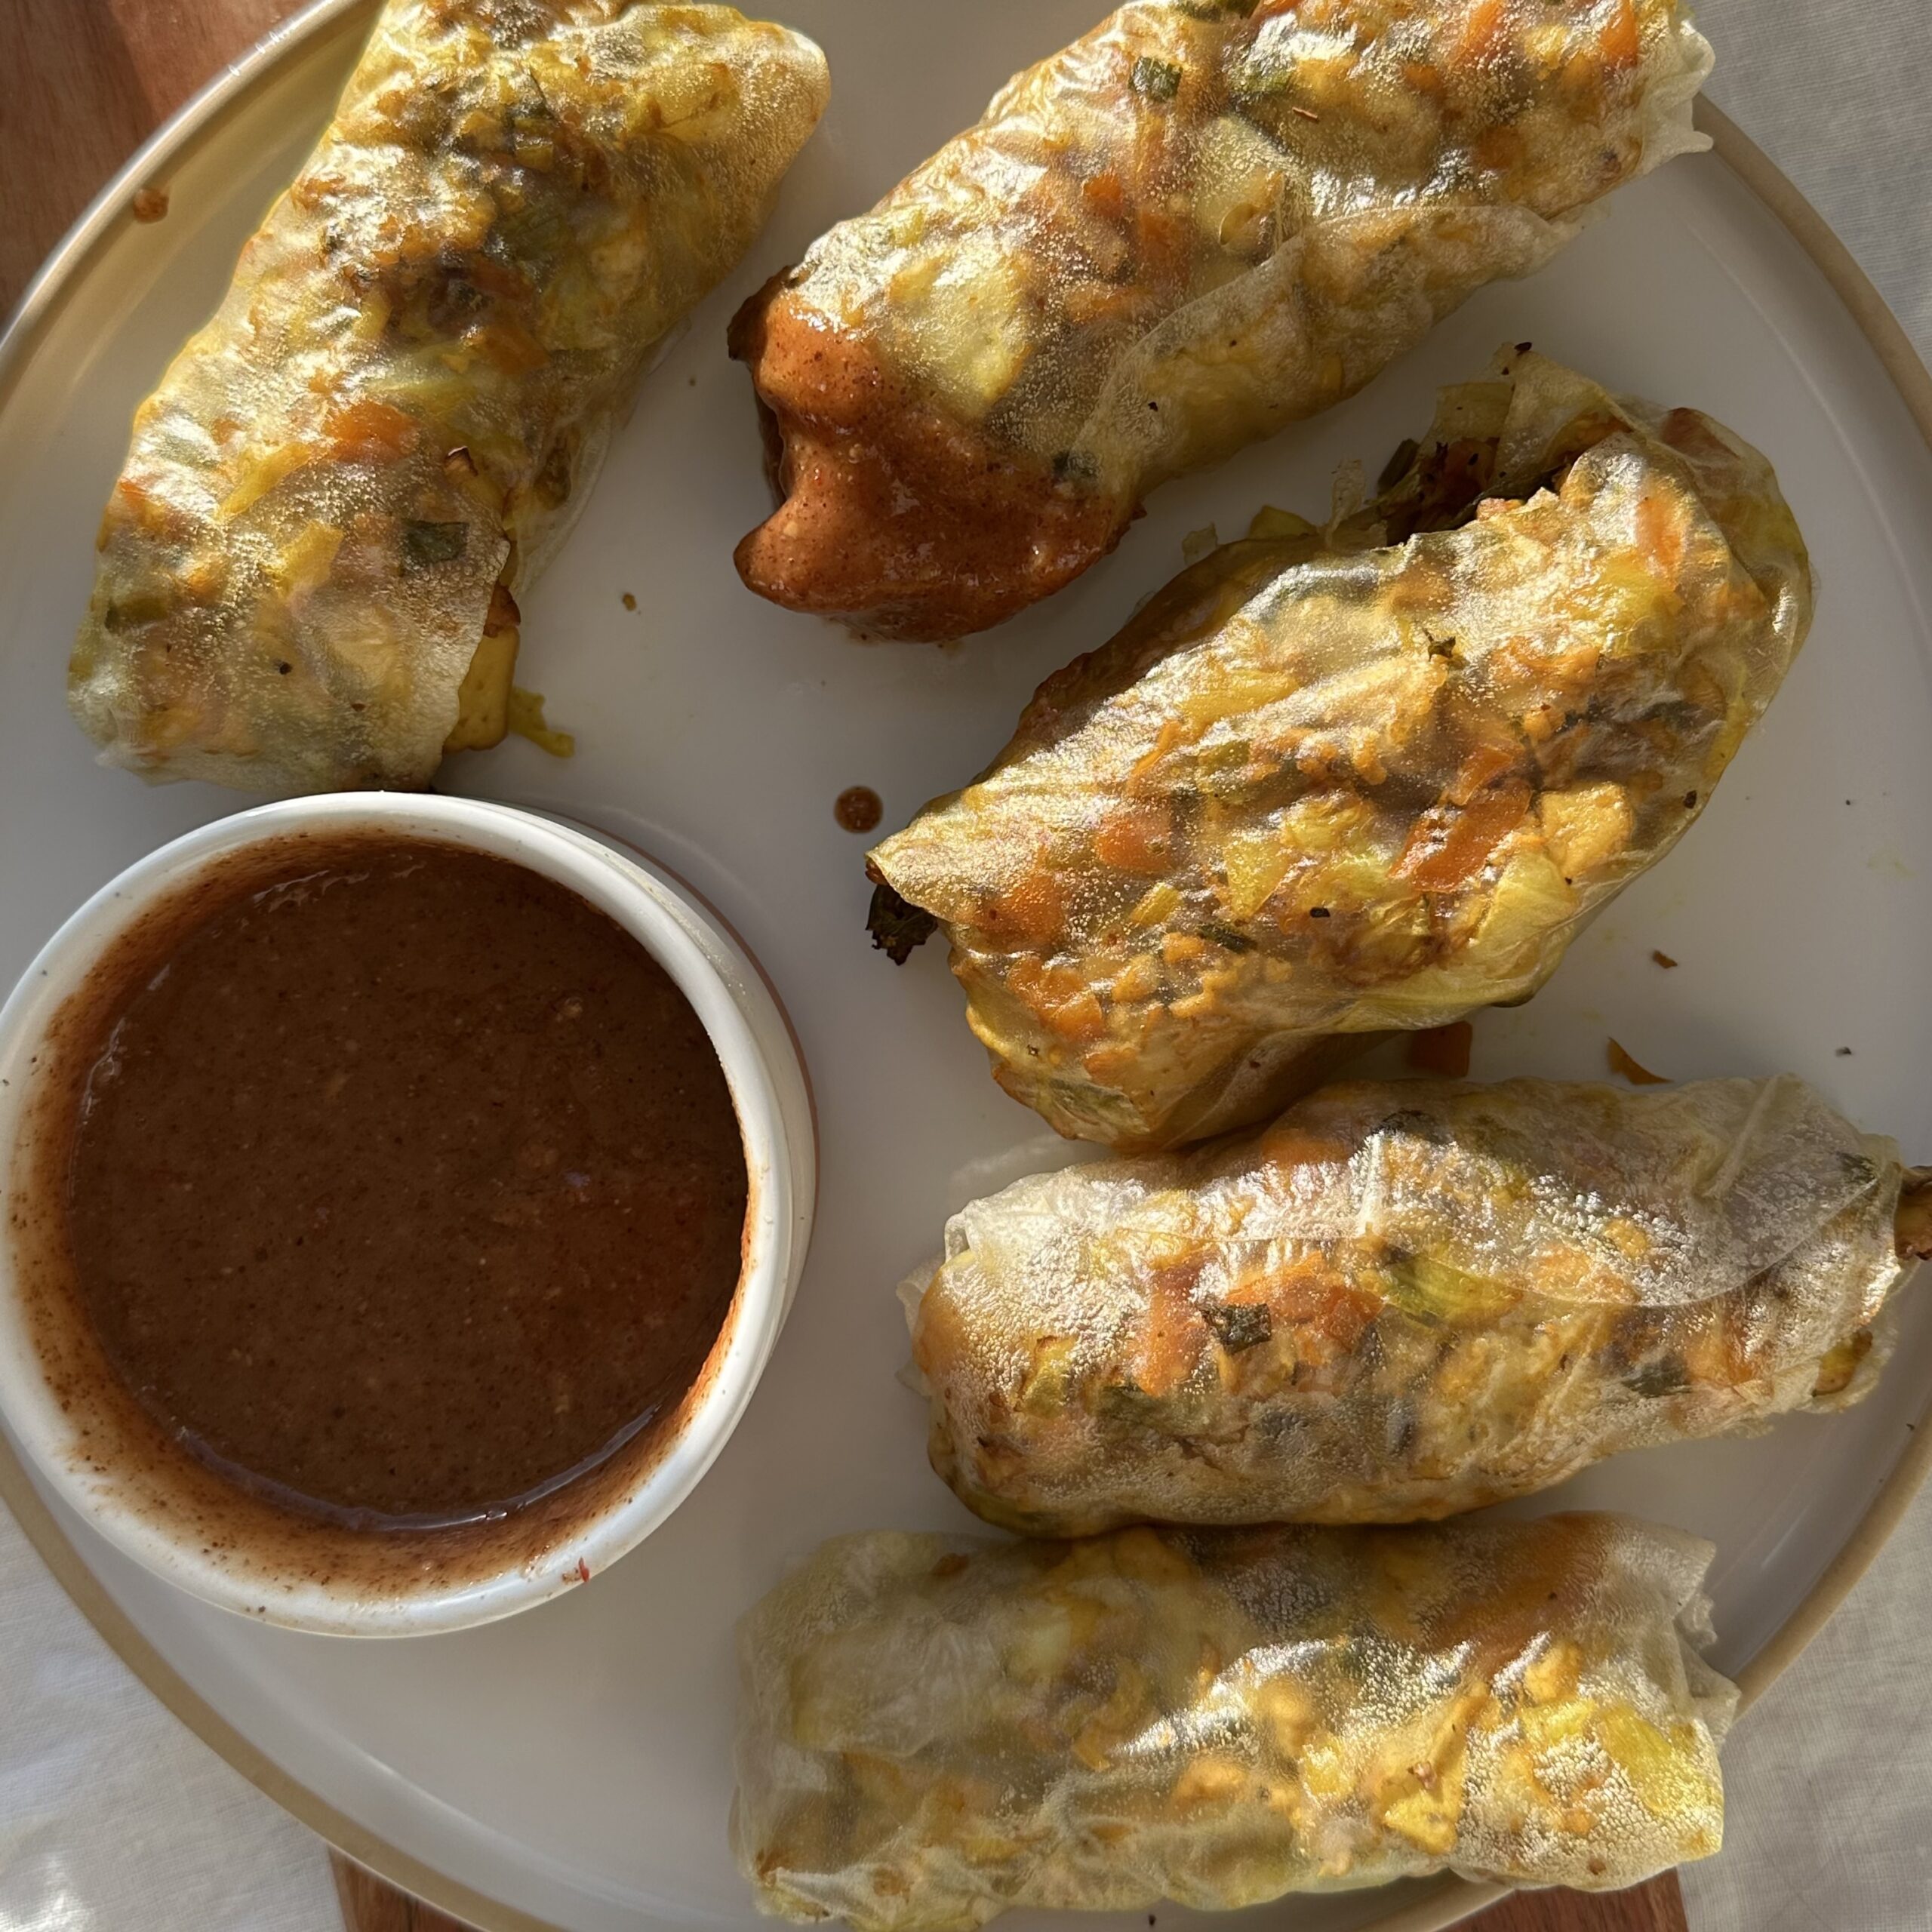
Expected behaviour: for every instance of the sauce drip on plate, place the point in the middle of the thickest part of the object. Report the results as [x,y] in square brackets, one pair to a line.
[405,1186]
[858,808]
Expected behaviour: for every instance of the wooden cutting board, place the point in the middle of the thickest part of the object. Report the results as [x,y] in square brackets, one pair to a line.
[91,79]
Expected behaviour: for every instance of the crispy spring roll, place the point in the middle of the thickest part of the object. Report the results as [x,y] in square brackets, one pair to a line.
[934,1728]
[1333,782]
[1406,1298]
[310,564]
[1201,222]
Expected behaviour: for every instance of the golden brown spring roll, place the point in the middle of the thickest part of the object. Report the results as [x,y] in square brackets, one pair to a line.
[1335,783]
[934,1729]
[1201,222]
[1405,1299]
[309,565]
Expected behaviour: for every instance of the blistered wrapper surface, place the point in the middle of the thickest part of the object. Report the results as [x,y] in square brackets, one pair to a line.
[1402,1299]
[934,1729]
[1326,784]
[406,392]
[1198,224]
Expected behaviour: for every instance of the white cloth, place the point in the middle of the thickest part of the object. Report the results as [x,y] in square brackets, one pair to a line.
[114,1818]
[1833,90]
[1825,1780]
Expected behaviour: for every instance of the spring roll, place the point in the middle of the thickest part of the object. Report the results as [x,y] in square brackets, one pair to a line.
[308,567]
[1201,222]
[1405,1299]
[1333,782]
[936,1728]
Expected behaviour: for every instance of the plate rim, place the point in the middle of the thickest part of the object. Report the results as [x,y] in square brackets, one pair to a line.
[1447,1899]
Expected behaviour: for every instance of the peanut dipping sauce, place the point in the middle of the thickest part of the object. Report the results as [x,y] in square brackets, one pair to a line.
[404,1185]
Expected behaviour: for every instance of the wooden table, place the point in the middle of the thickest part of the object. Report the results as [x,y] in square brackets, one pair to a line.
[89,81]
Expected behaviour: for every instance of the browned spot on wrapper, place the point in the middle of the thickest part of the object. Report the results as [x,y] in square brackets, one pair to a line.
[1664,960]
[628,601]
[896,924]
[894,516]
[1443,1049]
[1841,1365]
[1620,1062]
[1913,1226]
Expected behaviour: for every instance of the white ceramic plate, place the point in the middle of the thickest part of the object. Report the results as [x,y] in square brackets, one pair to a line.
[573,1763]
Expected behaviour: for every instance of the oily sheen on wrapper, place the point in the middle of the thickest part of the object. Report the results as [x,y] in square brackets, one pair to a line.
[1402,1299]
[1332,782]
[1201,222]
[307,567]
[936,1728]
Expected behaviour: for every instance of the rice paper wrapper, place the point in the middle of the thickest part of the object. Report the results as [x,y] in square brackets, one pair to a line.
[1404,1299]
[1331,784]
[1191,227]
[935,1728]
[401,403]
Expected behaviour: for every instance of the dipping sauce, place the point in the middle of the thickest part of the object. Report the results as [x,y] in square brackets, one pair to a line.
[405,1185]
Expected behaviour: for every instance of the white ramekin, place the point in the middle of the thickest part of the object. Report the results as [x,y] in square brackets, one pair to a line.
[762,1064]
